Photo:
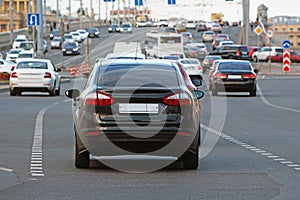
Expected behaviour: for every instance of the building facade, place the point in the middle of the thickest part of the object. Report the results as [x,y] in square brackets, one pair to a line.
[20,9]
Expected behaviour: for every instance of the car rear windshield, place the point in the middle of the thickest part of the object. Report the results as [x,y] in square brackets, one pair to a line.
[32,65]
[234,66]
[243,48]
[190,62]
[124,75]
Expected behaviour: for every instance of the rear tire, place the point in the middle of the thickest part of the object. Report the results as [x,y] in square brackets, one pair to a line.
[255,59]
[57,92]
[81,160]
[253,93]
[12,93]
[191,160]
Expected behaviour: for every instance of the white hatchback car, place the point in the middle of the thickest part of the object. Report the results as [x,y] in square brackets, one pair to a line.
[264,53]
[12,54]
[35,75]
[6,66]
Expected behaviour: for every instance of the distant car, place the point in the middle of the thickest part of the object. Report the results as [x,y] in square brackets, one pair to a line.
[193,51]
[187,35]
[180,27]
[126,28]
[56,43]
[218,38]
[163,23]
[25,55]
[200,45]
[68,37]
[209,24]
[210,73]
[208,36]
[191,24]
[76,36]
[12,54]
[71,48]
[6,66]
[54,33]
[27,46]
[113,28]
[234,76]
[35,75]
[216,28]
[236,51]
[83,33]
[170,30]
[208,62]
[180,55]
[225,42]
[17,42]
[294,57]
[201,27]
[264,53]
[93,32]
[193,67]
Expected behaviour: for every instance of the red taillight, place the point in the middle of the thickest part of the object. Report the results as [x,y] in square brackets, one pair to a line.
[177,99]
[248,75]
[92,133]
[98,99]
[14,75]
[47,75]
[195,53]
[220,75]
[237,53]
[199,67]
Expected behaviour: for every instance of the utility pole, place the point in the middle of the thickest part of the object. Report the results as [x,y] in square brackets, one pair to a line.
[69,12]
[99,12]
[80,14]
[40,30]
[92,14]
[246,21]
[118,12]
[112,12]
[57,11]
[45,21]
[11,21]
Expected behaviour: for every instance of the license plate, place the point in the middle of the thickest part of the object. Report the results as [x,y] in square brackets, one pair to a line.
[138,108]
[234,77]
[69,51]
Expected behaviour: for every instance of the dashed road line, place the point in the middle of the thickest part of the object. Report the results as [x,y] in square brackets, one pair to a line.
[6,169]
[36,161]
[252,148]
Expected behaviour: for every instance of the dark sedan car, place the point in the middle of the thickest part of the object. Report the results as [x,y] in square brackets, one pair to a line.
[71,48]
[93,32]
[122,112]
[113,28]
[233,76]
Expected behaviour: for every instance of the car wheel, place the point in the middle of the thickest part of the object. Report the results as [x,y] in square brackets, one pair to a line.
[57,92]
[82,160]
[52,92]
[191,159]
[255,59]
[12,93]
[253,92]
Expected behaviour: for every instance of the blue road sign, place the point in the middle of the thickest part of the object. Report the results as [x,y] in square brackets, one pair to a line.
[171,2]
[33,19]
[109,0]
[138,2]
[286,44]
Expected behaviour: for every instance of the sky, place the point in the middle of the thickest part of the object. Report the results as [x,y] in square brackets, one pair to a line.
[193,8]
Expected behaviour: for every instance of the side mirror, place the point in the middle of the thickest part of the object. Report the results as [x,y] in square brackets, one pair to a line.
[12,68]
[58,69]
[256,71]
[198,94]
[72,93]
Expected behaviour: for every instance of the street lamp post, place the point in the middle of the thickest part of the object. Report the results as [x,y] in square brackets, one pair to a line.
[11,21]
[40,30]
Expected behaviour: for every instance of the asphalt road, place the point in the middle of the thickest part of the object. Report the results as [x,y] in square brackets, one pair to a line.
[249,146]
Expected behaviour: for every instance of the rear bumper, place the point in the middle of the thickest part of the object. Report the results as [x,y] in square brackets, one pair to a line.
[235,86]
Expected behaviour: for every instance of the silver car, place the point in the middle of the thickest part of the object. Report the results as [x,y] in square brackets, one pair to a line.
[208,36]
[35,75]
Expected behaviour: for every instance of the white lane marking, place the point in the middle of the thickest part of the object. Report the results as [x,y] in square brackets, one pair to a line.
[272,105]
[254,149]
[6,169]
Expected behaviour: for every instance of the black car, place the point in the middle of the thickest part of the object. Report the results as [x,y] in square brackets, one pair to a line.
[233,76]
[71,48]
[122,112]
[235,51]
[113,28]
[93,32]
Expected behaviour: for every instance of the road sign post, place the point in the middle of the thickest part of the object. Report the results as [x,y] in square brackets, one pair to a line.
[286,44]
